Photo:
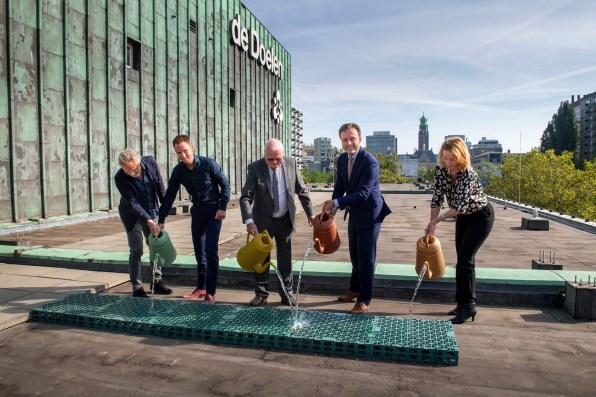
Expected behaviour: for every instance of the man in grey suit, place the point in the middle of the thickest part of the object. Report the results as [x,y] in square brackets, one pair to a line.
[265,207]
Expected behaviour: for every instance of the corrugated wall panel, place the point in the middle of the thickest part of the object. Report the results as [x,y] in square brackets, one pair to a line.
[6,180]
[68,98]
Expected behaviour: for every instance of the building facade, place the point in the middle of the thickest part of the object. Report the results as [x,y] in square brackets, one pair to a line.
[82,80]
[297,138]
[487,150]
[381,142]
[585,113]
[324,154]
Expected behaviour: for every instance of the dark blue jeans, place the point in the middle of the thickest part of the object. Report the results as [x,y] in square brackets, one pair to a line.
[470,233]
[205,239]
[363,254]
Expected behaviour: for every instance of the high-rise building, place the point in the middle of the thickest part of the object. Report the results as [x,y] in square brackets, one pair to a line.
[324,154]
[381,142]
[296,141]
[585,112]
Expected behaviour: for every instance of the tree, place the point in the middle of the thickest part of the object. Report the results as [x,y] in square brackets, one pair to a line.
[390,169]
[562,132]
[426,173]
[549,181]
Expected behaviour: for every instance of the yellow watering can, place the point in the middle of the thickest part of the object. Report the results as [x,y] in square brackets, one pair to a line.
[253,254]
[428,251]
[162,249]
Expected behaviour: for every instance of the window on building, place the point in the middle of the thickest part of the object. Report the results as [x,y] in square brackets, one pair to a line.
[232,98]
[133,54]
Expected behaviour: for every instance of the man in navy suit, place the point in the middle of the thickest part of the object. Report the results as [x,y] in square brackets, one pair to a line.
[357,191]
[141,190]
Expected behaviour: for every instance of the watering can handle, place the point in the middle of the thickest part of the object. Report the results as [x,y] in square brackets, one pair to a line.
[425,239]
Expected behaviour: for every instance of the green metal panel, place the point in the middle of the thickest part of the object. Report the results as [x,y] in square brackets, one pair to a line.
[82,106]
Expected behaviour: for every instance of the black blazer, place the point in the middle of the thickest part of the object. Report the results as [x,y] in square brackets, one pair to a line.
[130,209]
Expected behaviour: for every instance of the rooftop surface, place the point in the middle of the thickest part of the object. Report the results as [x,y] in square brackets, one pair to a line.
[517,346]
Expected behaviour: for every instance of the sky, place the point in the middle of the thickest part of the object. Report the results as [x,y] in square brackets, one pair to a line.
[493,69]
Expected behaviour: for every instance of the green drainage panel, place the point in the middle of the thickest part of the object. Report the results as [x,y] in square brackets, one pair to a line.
[335,334]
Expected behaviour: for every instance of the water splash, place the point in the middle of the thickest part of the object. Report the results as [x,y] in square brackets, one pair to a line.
[422,271]
[298,324]
[153,270]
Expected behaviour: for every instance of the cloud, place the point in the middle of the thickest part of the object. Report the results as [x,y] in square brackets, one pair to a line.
[482,68]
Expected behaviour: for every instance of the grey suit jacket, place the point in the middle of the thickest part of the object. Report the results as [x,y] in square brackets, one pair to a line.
[256,200]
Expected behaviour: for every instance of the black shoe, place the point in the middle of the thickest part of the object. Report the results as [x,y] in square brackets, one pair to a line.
[291,302]
[139,293]
[464,313]
[454,311]
[161,288]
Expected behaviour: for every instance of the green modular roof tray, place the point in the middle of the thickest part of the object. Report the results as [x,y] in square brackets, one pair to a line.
[319,332]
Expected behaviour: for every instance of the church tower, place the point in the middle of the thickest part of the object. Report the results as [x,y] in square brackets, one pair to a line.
[423,134]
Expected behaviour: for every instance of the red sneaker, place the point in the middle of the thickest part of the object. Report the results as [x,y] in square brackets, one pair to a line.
[209,299]
[196,294]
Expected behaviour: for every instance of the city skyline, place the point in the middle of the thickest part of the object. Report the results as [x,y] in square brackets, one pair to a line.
[497,70]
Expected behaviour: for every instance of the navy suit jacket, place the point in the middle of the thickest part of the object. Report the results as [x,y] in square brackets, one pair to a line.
[362,193]
[130,209]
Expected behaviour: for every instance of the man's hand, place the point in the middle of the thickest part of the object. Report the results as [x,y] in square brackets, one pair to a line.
[310,220]
[220,215]
[328,206]
[153,227]
[251,228]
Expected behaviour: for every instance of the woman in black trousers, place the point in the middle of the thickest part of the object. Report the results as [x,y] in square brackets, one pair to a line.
[456,181]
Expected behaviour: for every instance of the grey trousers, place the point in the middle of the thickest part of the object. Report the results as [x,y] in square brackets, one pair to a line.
[137,238]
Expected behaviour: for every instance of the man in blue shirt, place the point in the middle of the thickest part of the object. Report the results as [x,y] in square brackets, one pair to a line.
[209,189]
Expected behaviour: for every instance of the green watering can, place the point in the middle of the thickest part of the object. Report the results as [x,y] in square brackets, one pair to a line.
[161,249]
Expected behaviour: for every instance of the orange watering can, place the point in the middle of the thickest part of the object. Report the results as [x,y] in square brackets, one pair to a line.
[428,251]
[325,233]
[253,254]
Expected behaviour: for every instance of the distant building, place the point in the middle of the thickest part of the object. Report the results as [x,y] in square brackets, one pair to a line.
[296,140]
[308,157]
[585,112]
[381,142]
[324,154]
[425,156]
[487,150]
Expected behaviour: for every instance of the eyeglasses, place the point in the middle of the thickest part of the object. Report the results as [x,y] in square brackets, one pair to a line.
[272,159]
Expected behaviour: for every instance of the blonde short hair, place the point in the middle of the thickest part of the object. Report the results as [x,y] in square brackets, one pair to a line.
[459,149]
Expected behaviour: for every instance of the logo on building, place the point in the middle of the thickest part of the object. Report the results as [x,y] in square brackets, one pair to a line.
[253,46]
[276,113]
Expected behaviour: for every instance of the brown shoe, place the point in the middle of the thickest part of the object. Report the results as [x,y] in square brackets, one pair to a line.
[359,308]
[349,297]
[258,301]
